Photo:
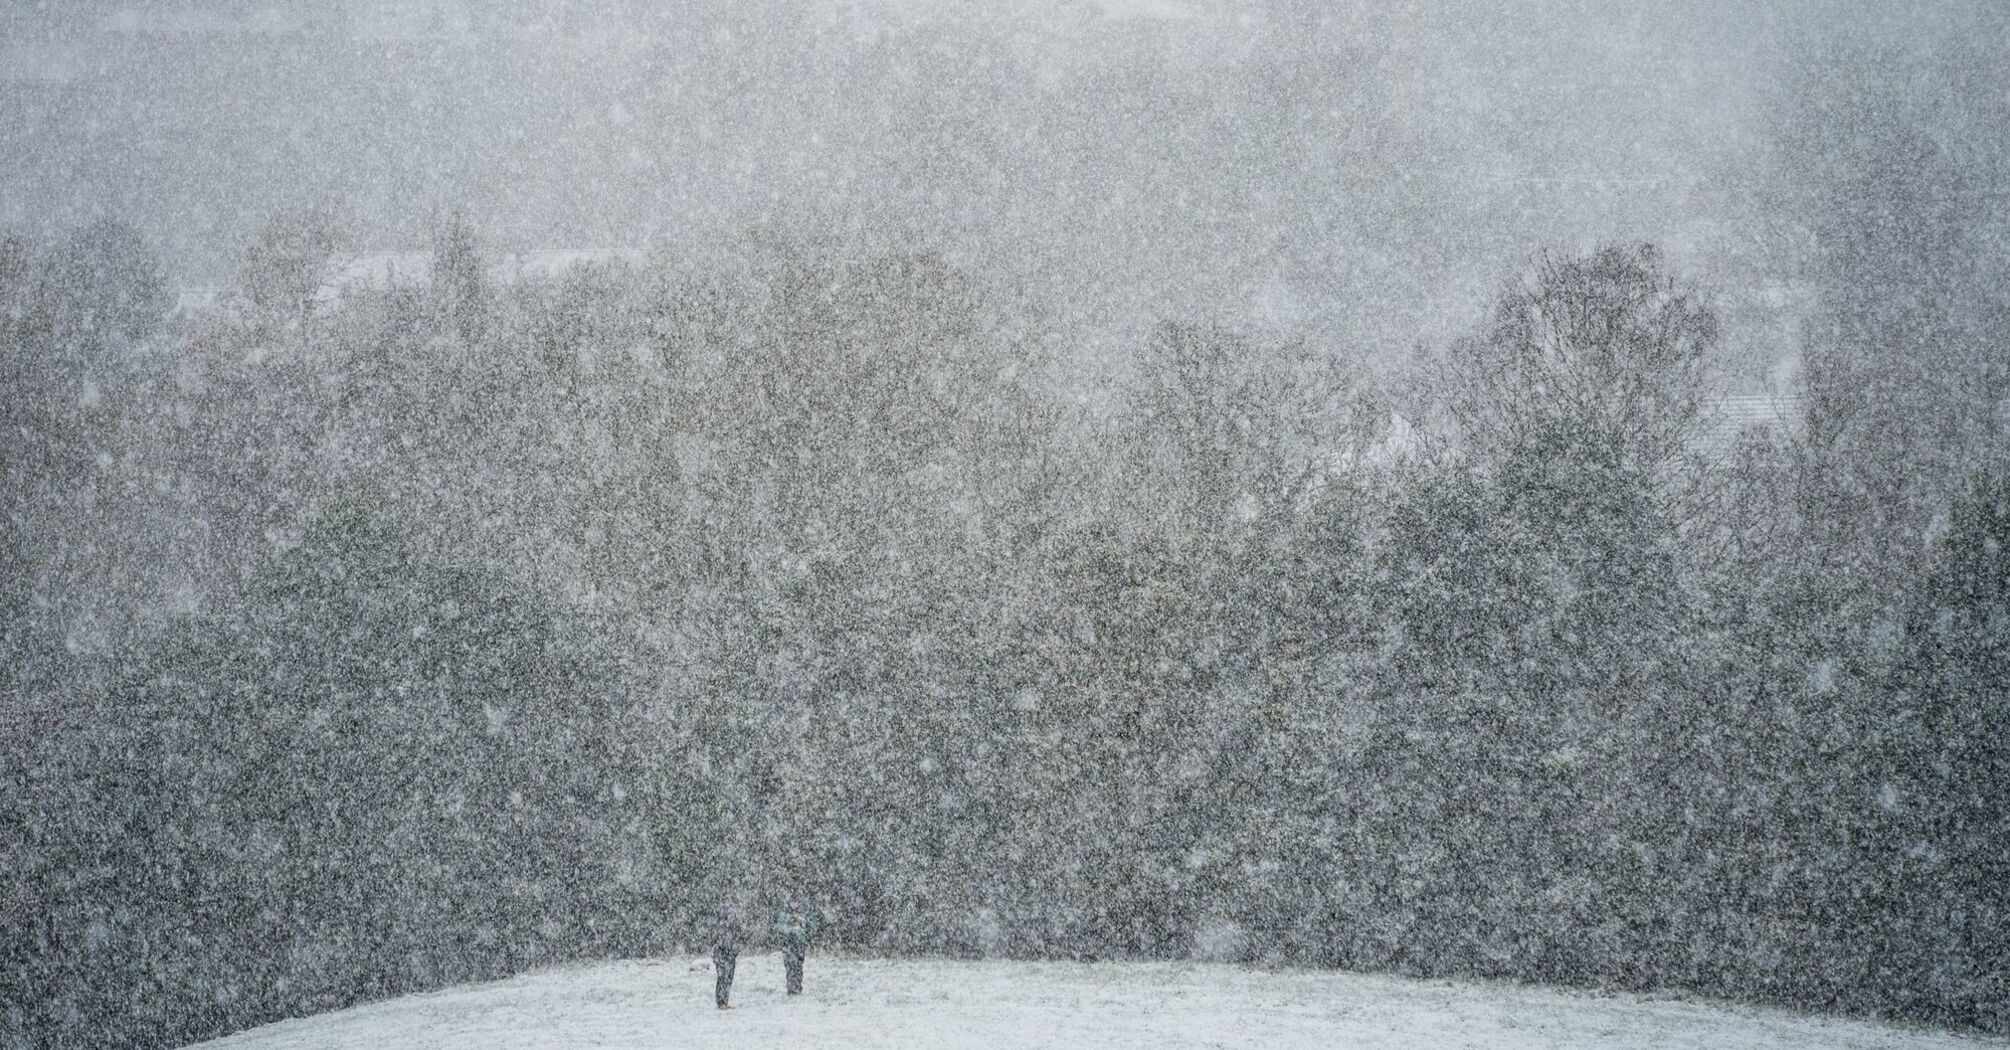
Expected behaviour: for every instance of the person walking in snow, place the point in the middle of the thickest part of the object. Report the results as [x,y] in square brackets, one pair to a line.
[729,931]
[795,924]
[724,957]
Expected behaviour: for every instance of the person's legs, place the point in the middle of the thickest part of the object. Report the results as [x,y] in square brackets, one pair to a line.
[792,969]
[723,959]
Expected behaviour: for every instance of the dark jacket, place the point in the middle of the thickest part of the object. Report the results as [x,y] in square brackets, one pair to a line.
[794,927]
[731,925]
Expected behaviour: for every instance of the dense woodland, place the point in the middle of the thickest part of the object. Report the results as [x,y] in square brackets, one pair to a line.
[362,645]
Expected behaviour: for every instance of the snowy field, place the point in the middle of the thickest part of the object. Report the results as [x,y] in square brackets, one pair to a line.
[1010,1005]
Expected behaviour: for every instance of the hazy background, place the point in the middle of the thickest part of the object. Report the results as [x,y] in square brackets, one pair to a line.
[1361,173]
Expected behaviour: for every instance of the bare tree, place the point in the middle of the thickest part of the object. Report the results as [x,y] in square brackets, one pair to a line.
[1603,353]
[287,263]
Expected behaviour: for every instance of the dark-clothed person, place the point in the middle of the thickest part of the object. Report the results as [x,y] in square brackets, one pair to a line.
[795,924]
[729,931]
[724,956]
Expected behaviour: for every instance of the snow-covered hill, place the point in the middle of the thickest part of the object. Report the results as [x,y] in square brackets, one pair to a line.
[1009,1005]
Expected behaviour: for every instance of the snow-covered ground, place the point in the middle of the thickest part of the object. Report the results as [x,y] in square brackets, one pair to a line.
[1011,1005]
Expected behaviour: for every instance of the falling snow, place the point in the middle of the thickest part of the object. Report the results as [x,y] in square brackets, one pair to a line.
[1097,511]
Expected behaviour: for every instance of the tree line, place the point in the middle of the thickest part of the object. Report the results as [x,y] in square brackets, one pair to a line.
[440,632]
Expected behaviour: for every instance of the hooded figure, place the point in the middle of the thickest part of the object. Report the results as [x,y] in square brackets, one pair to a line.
[795,924]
